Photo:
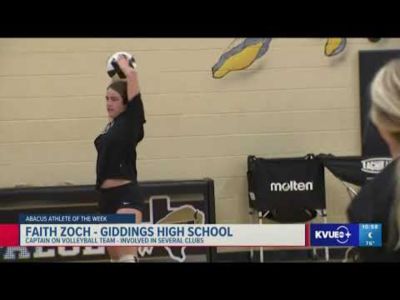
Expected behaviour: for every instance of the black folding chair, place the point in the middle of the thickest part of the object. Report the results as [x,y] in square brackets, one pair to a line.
[356,170]
[286,190]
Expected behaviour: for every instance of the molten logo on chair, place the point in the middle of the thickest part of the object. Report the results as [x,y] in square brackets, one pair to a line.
[291,186]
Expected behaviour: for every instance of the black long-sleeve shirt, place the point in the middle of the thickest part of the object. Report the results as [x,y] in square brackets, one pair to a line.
[116,146]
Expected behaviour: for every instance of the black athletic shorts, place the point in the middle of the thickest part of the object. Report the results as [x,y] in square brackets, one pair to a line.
[124,196]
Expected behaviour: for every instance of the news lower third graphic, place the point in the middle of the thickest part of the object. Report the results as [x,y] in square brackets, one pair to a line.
[348,235]
[121,230]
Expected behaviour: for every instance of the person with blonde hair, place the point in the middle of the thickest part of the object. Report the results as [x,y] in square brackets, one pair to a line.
[379,200]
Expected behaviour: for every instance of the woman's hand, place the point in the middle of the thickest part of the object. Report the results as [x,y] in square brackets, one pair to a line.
[131,76]
[123,64]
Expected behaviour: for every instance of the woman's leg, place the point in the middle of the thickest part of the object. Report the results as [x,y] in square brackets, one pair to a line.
[125,254]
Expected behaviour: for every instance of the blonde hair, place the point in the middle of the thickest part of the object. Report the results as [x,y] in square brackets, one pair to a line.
[385,114]
[385,94]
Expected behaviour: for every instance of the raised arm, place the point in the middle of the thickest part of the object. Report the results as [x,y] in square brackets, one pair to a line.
[131,77]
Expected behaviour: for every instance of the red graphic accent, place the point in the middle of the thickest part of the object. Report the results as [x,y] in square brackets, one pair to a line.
[307,228]
[9,235]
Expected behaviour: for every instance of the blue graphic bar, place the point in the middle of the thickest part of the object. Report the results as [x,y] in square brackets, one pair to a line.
[370,235]
[76,219]
[346,235]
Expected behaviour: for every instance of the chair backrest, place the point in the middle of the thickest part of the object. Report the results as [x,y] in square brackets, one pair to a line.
[291,189]
[356,170]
